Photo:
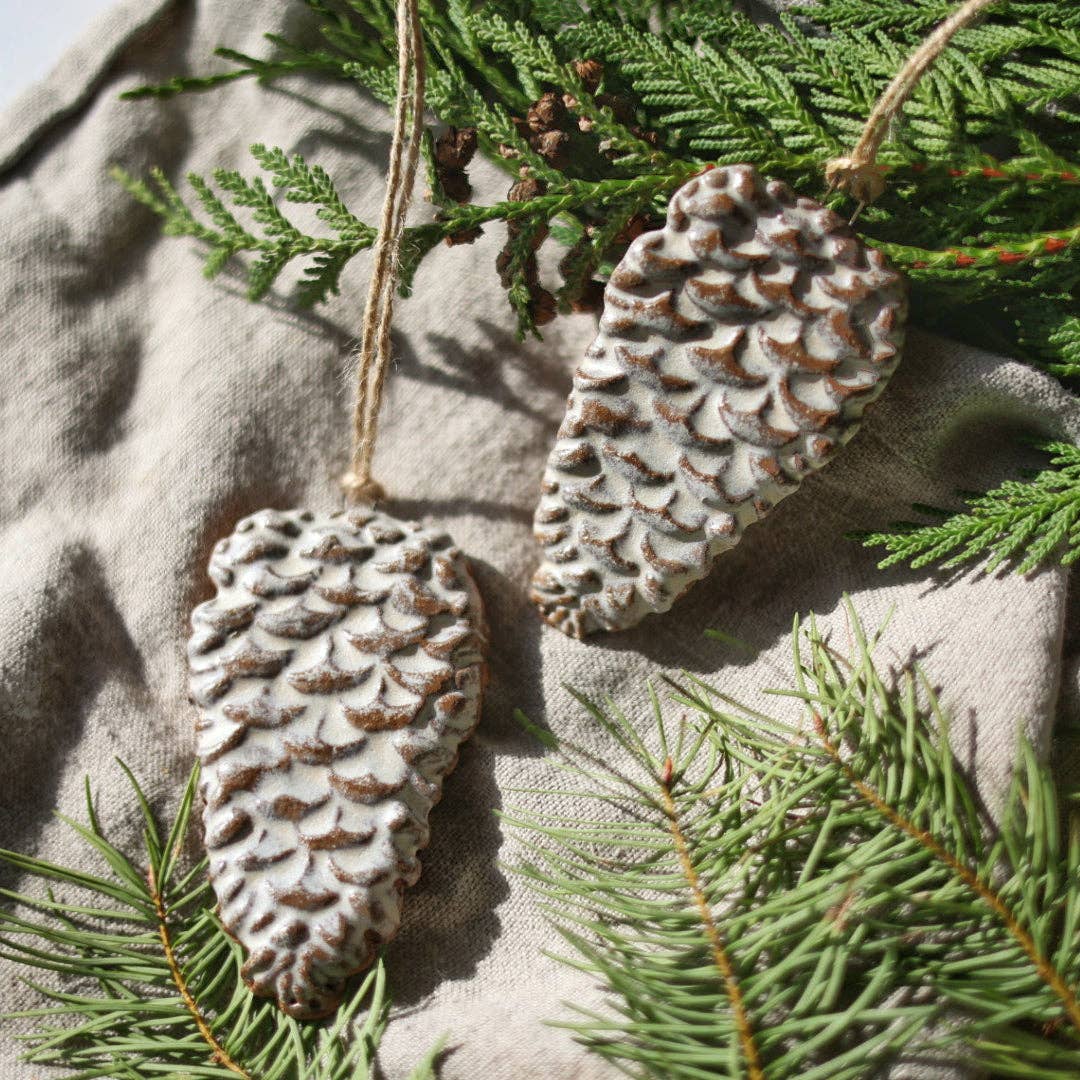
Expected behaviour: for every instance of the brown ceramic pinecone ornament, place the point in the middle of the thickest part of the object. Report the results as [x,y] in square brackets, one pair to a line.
[337,671]
[738,348]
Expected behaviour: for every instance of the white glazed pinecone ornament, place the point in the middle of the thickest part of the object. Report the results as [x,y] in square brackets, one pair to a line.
[738,348]
[337,670]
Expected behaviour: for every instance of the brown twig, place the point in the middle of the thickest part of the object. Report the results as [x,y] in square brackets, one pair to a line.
[220,1054]
[858,173]
[374,354]
[717,945]
[1045,969]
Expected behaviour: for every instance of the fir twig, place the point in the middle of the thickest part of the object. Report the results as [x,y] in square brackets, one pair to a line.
[983,889]
[158,990]
[717,945]
[218,1052]
[855,886]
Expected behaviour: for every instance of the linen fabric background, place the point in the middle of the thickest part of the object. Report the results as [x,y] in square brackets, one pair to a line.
[144,410]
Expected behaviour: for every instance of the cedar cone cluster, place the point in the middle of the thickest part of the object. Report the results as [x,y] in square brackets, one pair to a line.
[454,149]
[546,127]
[546,124]
[541,301]
[622,109]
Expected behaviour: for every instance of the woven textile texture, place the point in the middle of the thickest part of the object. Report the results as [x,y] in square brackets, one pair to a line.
[145,410]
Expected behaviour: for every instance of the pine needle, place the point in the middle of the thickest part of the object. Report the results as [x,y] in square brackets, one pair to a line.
[814,901]
[153,988]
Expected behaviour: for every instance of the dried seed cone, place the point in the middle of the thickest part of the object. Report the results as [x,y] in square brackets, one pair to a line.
[337,670]
[738,348]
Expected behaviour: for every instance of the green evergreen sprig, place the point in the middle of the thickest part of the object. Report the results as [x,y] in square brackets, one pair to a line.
[281,241]
[1051,333]
[150,980]
[696,82]
[767,900]
[1027,522]
[760,899]
[982,208]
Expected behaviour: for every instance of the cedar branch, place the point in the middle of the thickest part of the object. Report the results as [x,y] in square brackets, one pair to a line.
[858,173]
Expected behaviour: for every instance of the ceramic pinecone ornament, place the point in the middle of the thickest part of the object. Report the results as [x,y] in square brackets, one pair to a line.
[738,348]
[337,671]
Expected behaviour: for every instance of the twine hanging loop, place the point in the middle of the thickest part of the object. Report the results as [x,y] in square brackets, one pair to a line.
[858,173]
[373,355]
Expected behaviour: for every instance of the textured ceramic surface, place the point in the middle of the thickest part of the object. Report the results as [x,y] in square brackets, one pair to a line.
[337,670]
[738,348]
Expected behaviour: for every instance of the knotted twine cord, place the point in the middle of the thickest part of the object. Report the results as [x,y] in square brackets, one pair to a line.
[859,174]
[373,356]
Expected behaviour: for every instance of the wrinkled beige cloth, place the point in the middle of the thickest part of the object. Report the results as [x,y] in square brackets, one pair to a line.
[144,410]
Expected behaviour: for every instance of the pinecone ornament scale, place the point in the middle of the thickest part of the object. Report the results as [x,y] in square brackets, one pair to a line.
[337,671]
[738,348]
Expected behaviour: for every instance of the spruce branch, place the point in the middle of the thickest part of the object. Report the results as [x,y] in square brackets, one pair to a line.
[719,948]
[157,985]
[983,888]
[840,874]
[217,1050]
[1028,521]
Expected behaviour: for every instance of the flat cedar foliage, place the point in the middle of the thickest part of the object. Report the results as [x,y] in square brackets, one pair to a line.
[1026,520]
[597,117]
[984,196]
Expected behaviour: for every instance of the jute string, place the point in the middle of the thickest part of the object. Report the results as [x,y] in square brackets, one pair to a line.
[373,356]
[859,174]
